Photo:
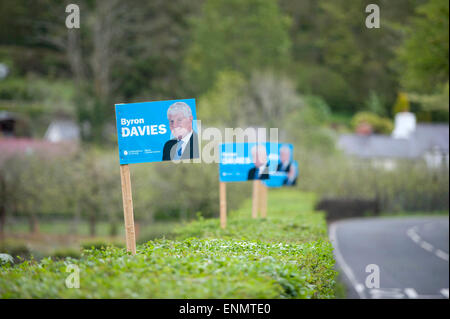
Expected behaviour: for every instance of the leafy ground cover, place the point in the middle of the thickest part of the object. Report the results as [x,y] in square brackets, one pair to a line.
[286,255]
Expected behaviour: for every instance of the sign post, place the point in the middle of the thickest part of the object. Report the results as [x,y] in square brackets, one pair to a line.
[223,205]
[263,200]
[255,199]
[128,208]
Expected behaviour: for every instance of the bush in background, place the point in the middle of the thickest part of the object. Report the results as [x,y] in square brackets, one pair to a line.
[380,125]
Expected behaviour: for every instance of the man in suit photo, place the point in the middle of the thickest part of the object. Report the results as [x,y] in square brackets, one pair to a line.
[184,144]
[285,159]
[261,169]
[291,179]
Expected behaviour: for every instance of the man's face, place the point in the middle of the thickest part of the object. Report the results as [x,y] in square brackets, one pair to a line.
[259,156]
[285,156]
[180,125]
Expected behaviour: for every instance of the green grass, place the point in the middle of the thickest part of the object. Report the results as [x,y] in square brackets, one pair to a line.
[286,255]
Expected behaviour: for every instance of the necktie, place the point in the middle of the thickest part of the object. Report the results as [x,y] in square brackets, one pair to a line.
[179,148]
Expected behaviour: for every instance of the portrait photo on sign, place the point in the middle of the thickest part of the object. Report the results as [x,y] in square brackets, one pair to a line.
[241,162]
[286,170]
[157,131]
[260,160]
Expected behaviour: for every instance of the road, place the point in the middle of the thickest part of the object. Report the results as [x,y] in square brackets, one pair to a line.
[411,255]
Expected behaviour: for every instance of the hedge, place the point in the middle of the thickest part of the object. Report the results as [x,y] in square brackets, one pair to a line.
[286,255]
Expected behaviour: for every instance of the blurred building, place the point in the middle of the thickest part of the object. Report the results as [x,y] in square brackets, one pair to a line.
[15,139]
[12,124]
[409,140]
[62,130]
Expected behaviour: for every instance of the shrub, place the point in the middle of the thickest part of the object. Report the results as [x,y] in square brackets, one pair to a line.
[99,245]
[288,257]
[381,125]
[66,252]
[14,248]
[411,186]
[401,104]
[6,259]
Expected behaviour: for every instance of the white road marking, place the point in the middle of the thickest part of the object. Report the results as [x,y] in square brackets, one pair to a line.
[386,293]
[393,292]
[359,288]
[412,233]
[441,254]
[427,246]
[411,293]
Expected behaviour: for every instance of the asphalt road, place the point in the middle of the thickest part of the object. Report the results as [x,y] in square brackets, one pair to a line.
[412,256]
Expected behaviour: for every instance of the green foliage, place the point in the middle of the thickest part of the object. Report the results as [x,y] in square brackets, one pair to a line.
[55,97]
[63,253]
[238,264]
[86,185]
[425,53]
[100,244]
[159,47]
[236,35]
[324,82]
[438,101]
[305,126]
[265,99]
[6,260]
[401,104]
[16,249]
[288,221]
[222,104]
[342,55]
[381,125]
[375,104]
[16,89]
[318,110]
[193,268]
[411,186]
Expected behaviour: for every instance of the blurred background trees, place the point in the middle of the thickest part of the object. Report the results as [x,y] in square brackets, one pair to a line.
[310,68]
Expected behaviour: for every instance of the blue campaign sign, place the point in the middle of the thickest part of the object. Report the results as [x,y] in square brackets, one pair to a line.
[249,161]
[157,131]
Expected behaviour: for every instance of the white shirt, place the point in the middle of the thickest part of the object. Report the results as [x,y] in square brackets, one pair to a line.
[185,141]
[261,170]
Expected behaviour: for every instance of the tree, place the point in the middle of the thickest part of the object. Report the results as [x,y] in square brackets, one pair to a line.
[264,99]
[424,55]
[337,57]
[122,51]
[239,36]
[401,104]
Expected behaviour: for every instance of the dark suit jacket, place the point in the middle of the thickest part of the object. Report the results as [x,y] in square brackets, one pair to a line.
[190,151]
[294,182]
[252,174]
[280,167]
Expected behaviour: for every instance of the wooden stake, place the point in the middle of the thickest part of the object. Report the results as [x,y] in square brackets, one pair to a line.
[127,199]
[255,199]
[223,205]
[263,200]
